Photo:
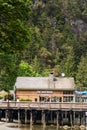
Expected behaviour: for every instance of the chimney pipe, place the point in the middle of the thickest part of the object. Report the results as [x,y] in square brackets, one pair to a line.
[51,77]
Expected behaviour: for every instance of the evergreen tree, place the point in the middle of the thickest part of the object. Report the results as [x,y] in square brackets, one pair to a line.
[68,64]
[46,35]
[14,31]
[81,76]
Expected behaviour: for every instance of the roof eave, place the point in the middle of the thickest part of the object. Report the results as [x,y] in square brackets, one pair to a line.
[72,89]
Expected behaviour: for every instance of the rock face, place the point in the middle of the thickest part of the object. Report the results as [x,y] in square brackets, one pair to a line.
[78,26]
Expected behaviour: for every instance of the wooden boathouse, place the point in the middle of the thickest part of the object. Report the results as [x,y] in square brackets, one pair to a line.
[44,100]
[45,89]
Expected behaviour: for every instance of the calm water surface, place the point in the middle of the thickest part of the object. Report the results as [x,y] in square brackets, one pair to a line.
[40,128]
[35,127]
[15,126]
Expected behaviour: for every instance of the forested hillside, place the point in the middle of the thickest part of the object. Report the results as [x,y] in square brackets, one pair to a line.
[42,36]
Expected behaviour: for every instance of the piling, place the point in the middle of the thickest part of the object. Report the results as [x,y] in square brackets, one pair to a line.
[62,118]
[71,123]
[86,118]
[19,119]
[31,118]
[6,115]
[57,118]
[43,118]
[0,114]
[74,118]
[25,116]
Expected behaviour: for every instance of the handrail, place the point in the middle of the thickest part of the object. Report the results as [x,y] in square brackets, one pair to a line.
[43,105]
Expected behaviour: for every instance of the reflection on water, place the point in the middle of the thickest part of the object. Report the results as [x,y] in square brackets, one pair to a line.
[39,127]
[35,127]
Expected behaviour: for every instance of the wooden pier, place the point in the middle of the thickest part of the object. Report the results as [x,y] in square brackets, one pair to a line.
[45,105]
[44,112]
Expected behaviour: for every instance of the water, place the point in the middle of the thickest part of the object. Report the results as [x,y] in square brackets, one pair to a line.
[40,128]
[14,126]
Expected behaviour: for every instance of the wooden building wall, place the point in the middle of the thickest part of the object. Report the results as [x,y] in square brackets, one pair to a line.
[37,94]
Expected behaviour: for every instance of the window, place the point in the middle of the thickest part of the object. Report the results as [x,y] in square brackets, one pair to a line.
[68,99]
[67,92]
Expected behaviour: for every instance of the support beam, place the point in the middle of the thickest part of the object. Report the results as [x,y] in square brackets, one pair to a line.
[62,118]
[43,118]
[19,119]
[71,123]
[51,116]
[84,118]
[31,118]
[10,115]
[0,114]
[74,118]
[57,119]
[6,115]
[81,118]
[25,116]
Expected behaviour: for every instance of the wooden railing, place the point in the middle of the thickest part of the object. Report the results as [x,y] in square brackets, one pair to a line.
[44,105]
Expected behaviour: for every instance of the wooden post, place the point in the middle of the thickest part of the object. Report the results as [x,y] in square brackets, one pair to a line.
[25,116]
[51,116]
[0,114]
[62,118]
[65,114]
[57,119]
[6,115]
[71,118]
[19,120]
[10,115]
[81,118]
[74,118]
[84,118]
[43,118]
[31,119]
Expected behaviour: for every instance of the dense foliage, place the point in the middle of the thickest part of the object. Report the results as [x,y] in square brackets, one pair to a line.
[42,36]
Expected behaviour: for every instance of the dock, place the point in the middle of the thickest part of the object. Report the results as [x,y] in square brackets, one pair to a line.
[44,105]
[57,113]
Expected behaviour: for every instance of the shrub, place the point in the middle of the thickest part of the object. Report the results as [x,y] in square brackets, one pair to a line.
[25,99]
[1,97]
[8,96]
